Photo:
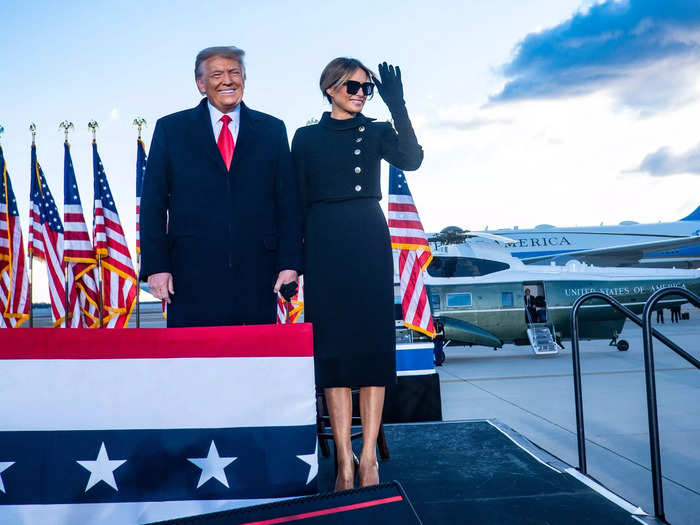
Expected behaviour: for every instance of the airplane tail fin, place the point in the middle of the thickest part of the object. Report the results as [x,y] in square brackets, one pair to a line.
[695,216]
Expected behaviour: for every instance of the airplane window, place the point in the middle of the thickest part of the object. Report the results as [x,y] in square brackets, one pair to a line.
[435,301]
[455,300]
[464,267]
[507,298]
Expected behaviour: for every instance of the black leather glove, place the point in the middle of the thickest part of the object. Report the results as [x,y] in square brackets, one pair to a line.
[288,290]
[390,87]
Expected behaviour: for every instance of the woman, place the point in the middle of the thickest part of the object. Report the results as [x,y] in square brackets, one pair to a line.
[349,269]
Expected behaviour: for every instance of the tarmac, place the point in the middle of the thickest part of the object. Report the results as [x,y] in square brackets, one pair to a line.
[534,396]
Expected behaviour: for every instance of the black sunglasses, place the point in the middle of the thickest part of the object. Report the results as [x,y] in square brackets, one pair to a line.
[353,86]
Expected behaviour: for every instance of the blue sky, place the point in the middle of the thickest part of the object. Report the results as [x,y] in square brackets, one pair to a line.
[547,111]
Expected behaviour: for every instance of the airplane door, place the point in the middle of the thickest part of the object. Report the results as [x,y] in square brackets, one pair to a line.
[534,302]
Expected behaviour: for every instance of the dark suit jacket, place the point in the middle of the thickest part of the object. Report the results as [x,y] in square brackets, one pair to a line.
[229,233]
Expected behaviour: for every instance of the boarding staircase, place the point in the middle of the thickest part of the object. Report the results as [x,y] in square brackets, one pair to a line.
[541,339]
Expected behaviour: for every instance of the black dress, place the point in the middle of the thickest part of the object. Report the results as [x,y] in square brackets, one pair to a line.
[348,264]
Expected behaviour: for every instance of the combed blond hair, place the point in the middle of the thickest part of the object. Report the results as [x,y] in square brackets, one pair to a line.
[231,52]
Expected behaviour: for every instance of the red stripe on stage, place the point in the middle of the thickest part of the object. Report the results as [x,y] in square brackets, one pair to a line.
[398,206]
[324,512]
[289,340]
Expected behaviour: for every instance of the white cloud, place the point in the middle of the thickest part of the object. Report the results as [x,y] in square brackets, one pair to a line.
[556,161]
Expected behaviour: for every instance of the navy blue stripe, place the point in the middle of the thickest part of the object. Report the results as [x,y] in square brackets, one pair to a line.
[414,359]
[157,468]
[542,253]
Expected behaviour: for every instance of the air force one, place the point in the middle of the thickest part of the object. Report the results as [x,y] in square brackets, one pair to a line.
[662,245]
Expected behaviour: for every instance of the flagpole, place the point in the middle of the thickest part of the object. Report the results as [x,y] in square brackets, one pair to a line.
[32,128]
[92,126]
[65,283]
[31,302]
[102,292]
[139,122]
[66,126]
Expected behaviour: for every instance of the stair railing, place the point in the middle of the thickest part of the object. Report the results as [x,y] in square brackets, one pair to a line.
[654,442]
[648,333]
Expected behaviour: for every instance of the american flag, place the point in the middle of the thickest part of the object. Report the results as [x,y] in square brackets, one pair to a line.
[78,254]
[408,237]
[119,284]
[46,238]
[282,309]
[140,174]
[14,280]
[297,303]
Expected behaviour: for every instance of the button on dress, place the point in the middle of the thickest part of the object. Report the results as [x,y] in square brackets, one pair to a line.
[348,264]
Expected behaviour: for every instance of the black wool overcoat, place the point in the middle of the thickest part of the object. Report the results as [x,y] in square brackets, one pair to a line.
[223,234]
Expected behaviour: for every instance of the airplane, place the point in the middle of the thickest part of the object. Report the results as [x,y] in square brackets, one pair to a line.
[660,245]
[476,292]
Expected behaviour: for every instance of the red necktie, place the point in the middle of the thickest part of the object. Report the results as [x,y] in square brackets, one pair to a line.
[225,142]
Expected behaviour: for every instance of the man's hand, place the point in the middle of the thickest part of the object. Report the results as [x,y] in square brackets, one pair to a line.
[161,286]
[285,276]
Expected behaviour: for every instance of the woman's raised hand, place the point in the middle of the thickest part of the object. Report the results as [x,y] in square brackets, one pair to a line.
[390,87]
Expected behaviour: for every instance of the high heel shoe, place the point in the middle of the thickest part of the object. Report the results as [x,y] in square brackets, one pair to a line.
[356,465]
[371,479]
[346,483]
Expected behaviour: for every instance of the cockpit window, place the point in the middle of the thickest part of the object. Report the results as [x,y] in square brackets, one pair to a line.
[464,267]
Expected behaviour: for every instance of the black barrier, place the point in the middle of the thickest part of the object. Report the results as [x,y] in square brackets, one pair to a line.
[648,332]
[377,505]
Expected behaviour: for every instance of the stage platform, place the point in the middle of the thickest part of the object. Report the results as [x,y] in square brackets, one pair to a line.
[484,472]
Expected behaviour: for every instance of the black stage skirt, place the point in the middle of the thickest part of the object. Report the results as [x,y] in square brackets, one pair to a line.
[349,293]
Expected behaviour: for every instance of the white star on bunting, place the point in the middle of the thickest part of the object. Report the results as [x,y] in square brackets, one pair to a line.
[4,465]
[102,469]
[212,466]
[312,460]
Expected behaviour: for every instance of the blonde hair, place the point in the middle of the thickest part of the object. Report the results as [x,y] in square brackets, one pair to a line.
[338,71]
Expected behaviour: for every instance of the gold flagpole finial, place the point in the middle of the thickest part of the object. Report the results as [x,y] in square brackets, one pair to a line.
[32,128]
[92,126]
[139,122]
[66,126]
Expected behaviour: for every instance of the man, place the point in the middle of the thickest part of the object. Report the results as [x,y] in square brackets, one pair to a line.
[530,310]
[540,309]
[220,215]
[660,315]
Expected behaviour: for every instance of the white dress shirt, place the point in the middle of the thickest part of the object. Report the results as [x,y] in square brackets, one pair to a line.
[216,123]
